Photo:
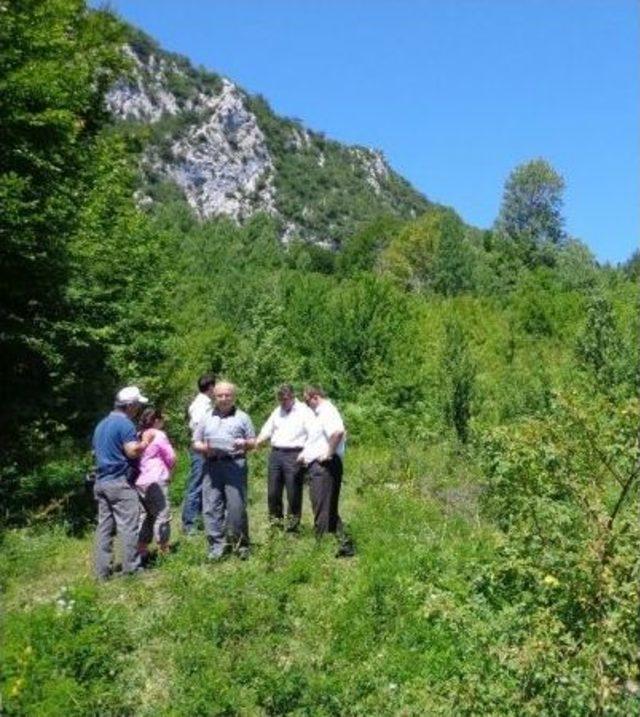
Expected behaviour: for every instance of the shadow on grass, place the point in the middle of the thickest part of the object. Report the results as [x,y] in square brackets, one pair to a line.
[75,510]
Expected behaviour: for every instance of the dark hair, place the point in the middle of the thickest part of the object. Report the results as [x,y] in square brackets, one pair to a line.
[148,417]
[285,391]
[206,381]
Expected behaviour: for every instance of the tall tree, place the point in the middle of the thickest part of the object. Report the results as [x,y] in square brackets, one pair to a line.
[56,60]
[531,210]
[428,254]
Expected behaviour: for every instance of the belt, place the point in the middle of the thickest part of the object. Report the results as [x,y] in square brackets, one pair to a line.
[287,450]
[225,457]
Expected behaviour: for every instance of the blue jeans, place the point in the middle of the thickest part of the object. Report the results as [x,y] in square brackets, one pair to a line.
[193,497]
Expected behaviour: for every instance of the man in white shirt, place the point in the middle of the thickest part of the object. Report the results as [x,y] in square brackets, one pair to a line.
[322,454]
[287,428]
[196,412]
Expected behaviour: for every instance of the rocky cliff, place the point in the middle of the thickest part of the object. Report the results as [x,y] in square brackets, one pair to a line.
[231,155]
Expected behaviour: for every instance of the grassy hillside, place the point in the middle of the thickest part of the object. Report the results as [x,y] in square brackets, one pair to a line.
[292,631]
[437,614]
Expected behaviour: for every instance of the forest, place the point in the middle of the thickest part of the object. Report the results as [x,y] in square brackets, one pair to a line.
[489,384]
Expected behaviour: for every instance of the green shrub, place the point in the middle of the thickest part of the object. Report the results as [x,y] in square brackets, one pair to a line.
[65,657]
[562,491]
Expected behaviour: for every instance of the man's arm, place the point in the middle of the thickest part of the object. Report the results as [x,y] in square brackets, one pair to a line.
[134,449]
[265,432]
[334,430]
[249,441]
[334,442]
[199,445]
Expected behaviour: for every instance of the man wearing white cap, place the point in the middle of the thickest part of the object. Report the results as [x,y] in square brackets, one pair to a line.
[116,449]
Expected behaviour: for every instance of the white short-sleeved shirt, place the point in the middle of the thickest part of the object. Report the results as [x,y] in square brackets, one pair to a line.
[288,429]
[328,421]
[199,408]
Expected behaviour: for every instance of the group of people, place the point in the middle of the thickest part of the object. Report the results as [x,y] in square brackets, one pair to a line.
[134,464]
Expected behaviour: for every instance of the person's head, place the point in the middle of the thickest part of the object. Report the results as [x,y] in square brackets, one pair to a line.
[151,418]
[129,400]
[313,395]
[224,396]
[206,384]
[286,396]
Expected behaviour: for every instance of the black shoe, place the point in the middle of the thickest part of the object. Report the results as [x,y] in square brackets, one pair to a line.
[243,553]
[215,556]
[346,550]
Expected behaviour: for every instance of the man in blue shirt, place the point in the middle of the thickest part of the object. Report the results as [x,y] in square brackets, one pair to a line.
[116,449]
[223,438]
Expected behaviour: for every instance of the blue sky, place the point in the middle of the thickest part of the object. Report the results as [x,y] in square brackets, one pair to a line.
[456,93]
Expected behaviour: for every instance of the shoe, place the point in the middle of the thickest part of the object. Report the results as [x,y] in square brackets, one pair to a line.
[215,556]
[346,550]
[243,553]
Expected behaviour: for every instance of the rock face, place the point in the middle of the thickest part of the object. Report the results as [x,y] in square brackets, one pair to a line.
[222,163]
[208,142]
[144,95]
[374,165]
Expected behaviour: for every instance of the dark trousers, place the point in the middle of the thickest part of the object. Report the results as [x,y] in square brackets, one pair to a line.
[325,481]
[285,473]
[224,504]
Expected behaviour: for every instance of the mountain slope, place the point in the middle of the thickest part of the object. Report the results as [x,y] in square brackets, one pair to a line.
[230,154]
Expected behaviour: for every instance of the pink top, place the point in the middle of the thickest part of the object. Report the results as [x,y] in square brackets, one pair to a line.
[157,461]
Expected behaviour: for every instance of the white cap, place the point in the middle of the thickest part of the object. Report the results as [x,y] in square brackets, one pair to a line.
[130,394]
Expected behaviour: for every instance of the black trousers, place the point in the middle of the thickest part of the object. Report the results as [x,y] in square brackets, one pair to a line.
[285,473]
[325,481]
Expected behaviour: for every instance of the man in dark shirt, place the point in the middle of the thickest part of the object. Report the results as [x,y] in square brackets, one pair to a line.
[117,449]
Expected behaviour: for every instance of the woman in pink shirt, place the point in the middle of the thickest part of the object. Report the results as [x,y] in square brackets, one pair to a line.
[152,484]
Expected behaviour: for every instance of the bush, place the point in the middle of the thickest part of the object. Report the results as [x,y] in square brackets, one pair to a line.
[562,492]
[65,657]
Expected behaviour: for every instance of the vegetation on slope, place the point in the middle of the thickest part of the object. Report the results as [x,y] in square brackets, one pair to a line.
[488,383]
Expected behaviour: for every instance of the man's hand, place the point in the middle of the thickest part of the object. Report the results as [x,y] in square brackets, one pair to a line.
[244,443]
[201,447]
[258,443]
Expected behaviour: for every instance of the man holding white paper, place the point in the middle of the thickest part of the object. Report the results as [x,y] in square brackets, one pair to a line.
[223,438]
